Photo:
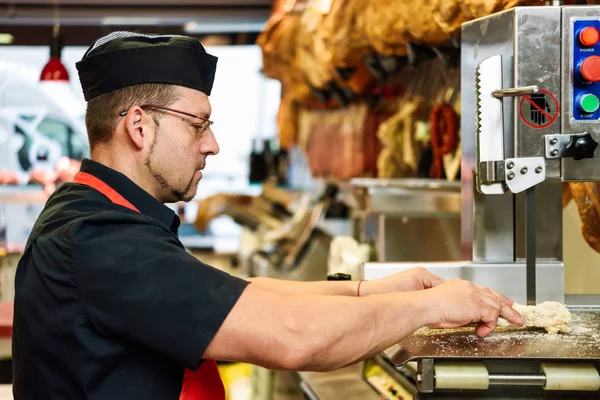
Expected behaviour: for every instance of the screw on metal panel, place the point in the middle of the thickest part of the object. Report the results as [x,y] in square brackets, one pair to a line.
[510,175]
[419,378]
[554,153]
[553,141]
[524,170]
[510,165]
[538,169]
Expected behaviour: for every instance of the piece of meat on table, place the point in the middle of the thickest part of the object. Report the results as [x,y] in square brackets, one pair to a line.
[552,316]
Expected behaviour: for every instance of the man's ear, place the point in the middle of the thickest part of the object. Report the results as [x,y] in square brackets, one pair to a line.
[137,126]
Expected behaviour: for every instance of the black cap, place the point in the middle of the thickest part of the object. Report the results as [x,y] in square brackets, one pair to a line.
[123,59]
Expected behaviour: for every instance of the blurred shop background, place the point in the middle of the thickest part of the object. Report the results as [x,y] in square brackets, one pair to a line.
[42,111]
[42,108]
[339,128]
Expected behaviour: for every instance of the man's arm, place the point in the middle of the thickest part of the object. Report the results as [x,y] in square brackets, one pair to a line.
[412,279]
[339,288]
[321,333]
[313,332]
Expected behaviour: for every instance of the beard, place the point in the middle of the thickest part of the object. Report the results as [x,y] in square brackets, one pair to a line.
[174,194]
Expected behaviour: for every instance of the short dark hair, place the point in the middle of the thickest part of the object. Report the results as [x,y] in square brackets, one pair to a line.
[103,111]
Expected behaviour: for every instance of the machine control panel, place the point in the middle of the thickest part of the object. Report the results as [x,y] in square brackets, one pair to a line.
[586,70]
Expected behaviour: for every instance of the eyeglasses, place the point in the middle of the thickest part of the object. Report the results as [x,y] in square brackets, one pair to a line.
[205,124]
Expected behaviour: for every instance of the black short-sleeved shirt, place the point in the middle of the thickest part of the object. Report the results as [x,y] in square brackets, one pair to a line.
[108,303]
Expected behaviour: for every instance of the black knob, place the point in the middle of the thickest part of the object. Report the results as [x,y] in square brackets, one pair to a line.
[584,148]
[581,146]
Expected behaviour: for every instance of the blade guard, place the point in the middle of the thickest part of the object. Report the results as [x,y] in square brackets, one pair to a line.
[490,120]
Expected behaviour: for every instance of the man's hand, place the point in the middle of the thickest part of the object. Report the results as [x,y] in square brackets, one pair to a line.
[413,279]
[457,303]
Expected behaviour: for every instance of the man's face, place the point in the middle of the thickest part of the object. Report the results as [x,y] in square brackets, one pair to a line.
[179,148]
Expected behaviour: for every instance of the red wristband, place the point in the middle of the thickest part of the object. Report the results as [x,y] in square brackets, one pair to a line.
[358,288]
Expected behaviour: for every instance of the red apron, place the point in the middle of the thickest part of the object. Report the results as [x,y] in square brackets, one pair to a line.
[205,383]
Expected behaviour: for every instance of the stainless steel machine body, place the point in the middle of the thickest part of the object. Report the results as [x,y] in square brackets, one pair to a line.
[539,54]
[536,47]
[507,278]
[424,213]
[527,126]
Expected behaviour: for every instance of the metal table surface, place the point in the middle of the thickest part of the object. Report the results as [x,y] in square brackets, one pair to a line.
[582,344]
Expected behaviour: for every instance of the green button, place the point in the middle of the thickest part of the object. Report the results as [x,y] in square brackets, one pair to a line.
[589,103]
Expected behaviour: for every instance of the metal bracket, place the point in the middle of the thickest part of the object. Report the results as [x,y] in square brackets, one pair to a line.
[519,174]
[491,172]
[556,144]
[524,173]
[574,145]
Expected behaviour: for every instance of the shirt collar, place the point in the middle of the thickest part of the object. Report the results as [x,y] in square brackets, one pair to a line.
[142,200]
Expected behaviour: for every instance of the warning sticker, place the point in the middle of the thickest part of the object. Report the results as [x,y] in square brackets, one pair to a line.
[539,110]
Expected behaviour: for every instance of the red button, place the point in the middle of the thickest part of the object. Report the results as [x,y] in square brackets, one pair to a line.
[589,36]
[590,69]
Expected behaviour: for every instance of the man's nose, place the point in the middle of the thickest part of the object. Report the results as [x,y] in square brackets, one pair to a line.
[209,144]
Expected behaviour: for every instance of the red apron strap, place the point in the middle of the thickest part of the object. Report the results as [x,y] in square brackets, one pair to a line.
[84,178]
[205,383]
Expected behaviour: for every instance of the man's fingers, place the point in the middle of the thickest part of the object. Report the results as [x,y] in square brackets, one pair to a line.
[433,281]
[511,315]
[493,302]
[497,307]
[483,329]
[489,320]
[491,312]
[426,279]
[491,309]
[501,297]
[505,300]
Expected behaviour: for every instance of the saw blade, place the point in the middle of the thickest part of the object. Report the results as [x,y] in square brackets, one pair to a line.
[490,126]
